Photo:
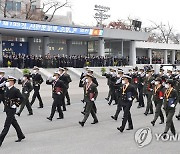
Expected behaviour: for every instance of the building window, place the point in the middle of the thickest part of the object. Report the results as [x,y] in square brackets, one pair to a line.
[33,7]
[13,6]
[17,6]
[9,5]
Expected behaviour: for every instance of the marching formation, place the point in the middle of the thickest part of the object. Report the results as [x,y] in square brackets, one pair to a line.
[161,91]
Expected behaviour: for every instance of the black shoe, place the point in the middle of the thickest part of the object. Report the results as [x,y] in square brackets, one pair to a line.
[178,117]
[174,133]
[153,123]
[95,122]
[82,101]
[114,104]
[81,123]
[164,135]
[20,139]
[107,99]
[60,118]
[113,117]
[40,107]
[83,112]
[30,114]
[139,106]
[64,109]
[161,122]
[68,103]
[145,114]
[18,114]
[109,103]
[120,129]
[130,128]
[49,118]
[151,113]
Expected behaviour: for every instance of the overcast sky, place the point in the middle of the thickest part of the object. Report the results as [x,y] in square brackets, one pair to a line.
[146,11]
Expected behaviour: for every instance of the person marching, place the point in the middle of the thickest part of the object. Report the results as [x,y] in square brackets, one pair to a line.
[148,91]
[128,93]
[13,98]
[90,95]
[158,96]
[141,76]
[37,81]
[178,89]
[26,90]
[63,78]
[68,81]
[170,102]
[58,91]
[2,86]
[118,87]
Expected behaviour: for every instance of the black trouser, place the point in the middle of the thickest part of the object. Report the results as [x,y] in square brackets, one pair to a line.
[127,115]
[10,119]
[63,103]
[56,104]
[67,97]
[37,94]
[25,103]
[109,92]
[141,99]
[149,106]
[158,112]
[2,98]
[94,107]
[112,95]
[169,121]
[89,109]
[119,108]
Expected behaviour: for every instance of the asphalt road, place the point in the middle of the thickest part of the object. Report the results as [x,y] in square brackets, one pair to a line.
[68,137]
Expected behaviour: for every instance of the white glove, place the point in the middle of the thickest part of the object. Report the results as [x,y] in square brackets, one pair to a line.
[59,93]
[92,99]
[130,99]
[151,89]
[172,105]
[25,92]
[14,106]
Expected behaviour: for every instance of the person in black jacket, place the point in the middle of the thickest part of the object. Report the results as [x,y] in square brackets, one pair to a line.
[2,86]
[26,89]
[170,102]
[141,77]
[13,98]
[90,95]
[58,91]
[68,81]
[63,78]
[37,81]
[128,93]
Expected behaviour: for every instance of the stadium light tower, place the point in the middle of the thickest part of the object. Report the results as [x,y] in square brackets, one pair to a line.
[100,14]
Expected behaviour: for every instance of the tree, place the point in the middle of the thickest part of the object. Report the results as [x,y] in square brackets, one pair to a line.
[29,12]
[52,6]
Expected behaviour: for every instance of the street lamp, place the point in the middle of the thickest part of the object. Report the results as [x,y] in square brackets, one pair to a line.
[100,14]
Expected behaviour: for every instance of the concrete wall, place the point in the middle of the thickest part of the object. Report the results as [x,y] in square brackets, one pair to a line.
[125,34]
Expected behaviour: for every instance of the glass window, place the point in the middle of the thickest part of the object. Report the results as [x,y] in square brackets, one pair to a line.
[33,7]
[9,5]
[18,6]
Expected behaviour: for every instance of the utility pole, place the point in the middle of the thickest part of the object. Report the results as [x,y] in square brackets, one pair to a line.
[100,14]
